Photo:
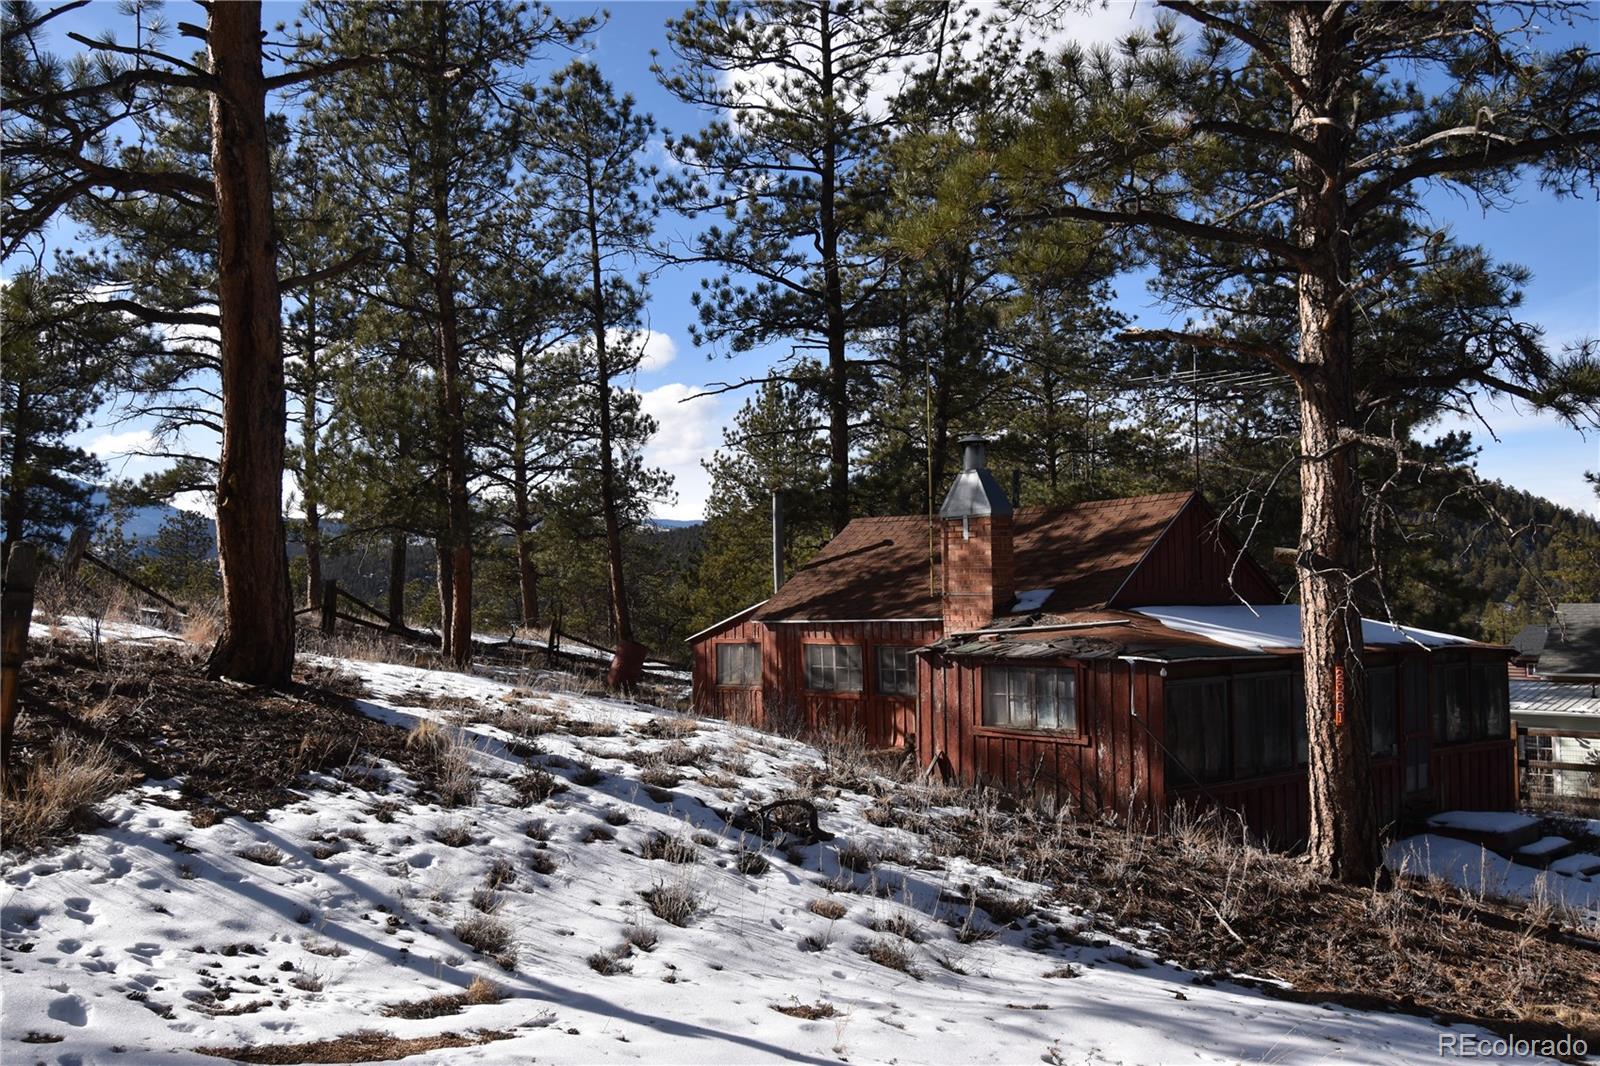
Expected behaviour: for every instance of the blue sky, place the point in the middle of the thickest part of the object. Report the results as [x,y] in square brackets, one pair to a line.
[1558,240]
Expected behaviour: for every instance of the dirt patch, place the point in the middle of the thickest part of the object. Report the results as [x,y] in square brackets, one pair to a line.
[368,1045]
[238,749]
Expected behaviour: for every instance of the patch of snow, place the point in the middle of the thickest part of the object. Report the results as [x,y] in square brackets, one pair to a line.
[150,937]
[74,625]
[1030,600]
[1581,864]
[1278,626]
[1480,871]
[1483,821]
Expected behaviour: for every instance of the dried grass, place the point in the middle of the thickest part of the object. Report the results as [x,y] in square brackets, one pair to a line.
[58,793]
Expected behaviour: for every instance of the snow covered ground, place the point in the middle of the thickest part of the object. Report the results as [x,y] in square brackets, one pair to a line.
[151,938]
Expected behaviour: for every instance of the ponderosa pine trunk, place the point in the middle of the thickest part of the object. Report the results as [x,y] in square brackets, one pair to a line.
[257,641]
[620,622]
[397,583]
[458,645]
[833,293]
[1343,840]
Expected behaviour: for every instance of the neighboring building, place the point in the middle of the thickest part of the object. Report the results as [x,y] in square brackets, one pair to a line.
[1557,709]
[1118,654]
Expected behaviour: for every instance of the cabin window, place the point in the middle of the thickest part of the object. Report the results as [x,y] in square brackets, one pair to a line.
[1416,681]
[897,671]
[1197,731]
[1416,763]
[1264,739]
[833,667]
[1381,710]
[1450,722]
[738,665]
[1489,701]
[1029,697]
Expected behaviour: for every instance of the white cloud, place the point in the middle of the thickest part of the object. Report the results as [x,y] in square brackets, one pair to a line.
[686,433]
[119,445]
[655,349]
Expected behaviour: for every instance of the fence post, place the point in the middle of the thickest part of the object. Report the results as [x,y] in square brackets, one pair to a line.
[330,605]
[16,614]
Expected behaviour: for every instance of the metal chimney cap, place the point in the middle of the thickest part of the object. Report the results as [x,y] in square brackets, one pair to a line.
[975,493]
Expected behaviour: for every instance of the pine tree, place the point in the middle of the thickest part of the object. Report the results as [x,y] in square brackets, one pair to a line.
[777,442]
[57,369]
[429,138]
[804,82]
[585,152]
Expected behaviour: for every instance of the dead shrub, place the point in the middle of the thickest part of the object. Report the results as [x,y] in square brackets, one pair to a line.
[617,816]
[673,904]
[811,1012]
[501,873]
[587,776]
[1003,909]
[752,863]
[610,963]
[536,785]
[58,793]
[677,753]
[669,849]
[480,991]
[366,1045]
[641,937]
[307,982]
[830,909]
[857,858]
[454,835]
[265,854]
[660,776]
[543,863]
[203,623]
[597,834]
[488,935]
[890,953]
[898,925]
[486,900]
[538,829]
[662,727]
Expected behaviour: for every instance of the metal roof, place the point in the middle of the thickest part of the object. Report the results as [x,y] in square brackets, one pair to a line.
[1551,697]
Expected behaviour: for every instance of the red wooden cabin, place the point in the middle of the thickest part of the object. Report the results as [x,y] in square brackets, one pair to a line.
[1119,654]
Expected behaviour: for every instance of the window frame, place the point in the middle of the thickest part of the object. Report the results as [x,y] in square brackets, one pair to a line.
[1188,776]
[835,692]
[1298,745]
[910,671]
[716,664]
[1076,735]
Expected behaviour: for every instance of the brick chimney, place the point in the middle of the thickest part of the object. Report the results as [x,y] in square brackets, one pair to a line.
[976,526]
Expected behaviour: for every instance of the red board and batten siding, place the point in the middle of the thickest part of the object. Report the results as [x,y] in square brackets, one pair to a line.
[1110,763]
[1192,562]
[783,699]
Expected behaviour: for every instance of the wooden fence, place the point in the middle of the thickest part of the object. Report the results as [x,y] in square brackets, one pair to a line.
[1559,769]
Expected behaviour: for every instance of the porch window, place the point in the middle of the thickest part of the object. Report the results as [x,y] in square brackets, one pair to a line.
[1028,697]
[1264,735]
[1197,731]
[738,665]
[1450,721]
[833,667]
[897,671]
[1416,682]
[1491,715]
[1381,710]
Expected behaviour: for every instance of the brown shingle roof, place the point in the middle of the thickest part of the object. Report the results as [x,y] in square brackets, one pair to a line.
[877,568]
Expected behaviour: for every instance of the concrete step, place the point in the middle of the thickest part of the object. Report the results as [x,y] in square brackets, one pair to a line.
[1580,865]
[1499,831]
[1544,851]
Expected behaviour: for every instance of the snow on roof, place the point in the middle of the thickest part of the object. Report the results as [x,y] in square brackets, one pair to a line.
[1030,600]
[1278,626]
